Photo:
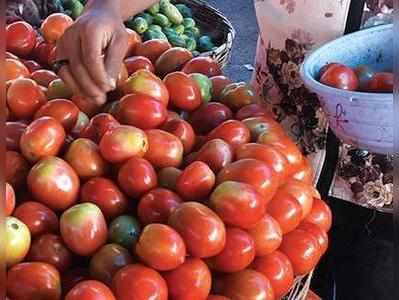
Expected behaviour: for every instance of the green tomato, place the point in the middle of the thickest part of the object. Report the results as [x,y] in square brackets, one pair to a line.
[125,231]
[17,241]
[205,85]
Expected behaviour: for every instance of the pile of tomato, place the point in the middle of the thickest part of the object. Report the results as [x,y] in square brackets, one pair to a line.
[183,186]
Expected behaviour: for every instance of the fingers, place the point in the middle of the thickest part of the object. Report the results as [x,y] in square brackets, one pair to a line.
[67,77]
[115,54]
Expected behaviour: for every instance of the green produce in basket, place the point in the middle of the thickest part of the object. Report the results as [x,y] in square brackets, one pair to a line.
[154,35]
[169,31]
[172,13]
[176,41]
[196,53]
[205,85]
[154,27]
[75,6]
[189,22]
[205,43]
[154,9]
[139,25]
[193,32]
[179,29]
[125,231]
[191,43]
[184,10]
[161,20]
[147,17]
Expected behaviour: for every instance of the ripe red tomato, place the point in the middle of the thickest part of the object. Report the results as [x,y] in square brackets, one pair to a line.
[278,269]
[253,172]
[167,177]
[142,282]
[172,60]
[157,205]
[305,172]
[209,116]
[302,249]
[248,285]
[49,248]
[98,126]
[106,195]
[184,92]
[83,228]
[43,51]
[312,296]
[218,84]
[152,49]
[54,26]
[381,83]
[84,157]
[238,204]
[269,155]
[146,83]
[141,111]
[201,229]
[123,142]
[43,77]
[238,253]
[16,169]
[90,290]
[320,234]
[232,131]
[134,40]
[196,182]
[267,235]
[191,280]
[183,130]
[24,98]
[15,69]
[161,247]
[286,210]
[238,95]
[216,154]
[203,65]
[43,137]
[64,111]
[252,111]
[20,38]
[39,218]
[9,201]
[34,278]
[136,177]
[164,149]
[320,215]
[136,63]
[340,76]
[54,183]
[31,65]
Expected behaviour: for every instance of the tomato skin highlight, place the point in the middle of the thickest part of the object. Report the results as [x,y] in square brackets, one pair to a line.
[20,38]
[90,290]
[320,215]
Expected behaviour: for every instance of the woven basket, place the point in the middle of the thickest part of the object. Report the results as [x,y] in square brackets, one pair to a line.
[213,23]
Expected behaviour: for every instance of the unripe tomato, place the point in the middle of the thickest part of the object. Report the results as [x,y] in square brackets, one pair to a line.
[17,241]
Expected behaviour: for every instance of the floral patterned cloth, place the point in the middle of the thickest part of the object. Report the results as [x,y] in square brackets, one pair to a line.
[289,30]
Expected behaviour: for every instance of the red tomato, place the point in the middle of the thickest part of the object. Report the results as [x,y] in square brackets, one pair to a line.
[302,249]
[136,177]
[90,290]
[20,38]
[216,154]
[121,80]
[252,111]
[209,116]
[320,234]
[9,201]
[134,40]
[312,296]
[43,137]
[106,195]
[54,183]
[201,229]
[184,92]
[267,235]
[98,126]
[233,132]
[142,282]
[238,95]
[253,172]
[164,150]
[203,65]
[217,297]
[238,253]
[84,157]
[161,247]
[146,83]
[24,98]
[196,181]
[54,26]
[32,65]
[172,60]
[248,285]
[15,69]
[123,142]
[39,218]
[16,169]
[136,63]
[14,130]
[64,111]
[39,279]
[320,215]
[381,83]
[43,52]
[278,269]
[152,49]
[141,111]
[269,155]
[49,248]
[305,172]
[340,76]
[83,228]
[157,205]
[72,277]
[167,177]
[286,210]
[43,77]
[218,84]
[81,123]
[191,280]
[183,130]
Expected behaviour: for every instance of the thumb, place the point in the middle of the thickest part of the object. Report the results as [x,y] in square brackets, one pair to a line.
[114,56]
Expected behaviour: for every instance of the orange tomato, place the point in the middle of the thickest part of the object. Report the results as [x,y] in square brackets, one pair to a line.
[15,69]
[54,26]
